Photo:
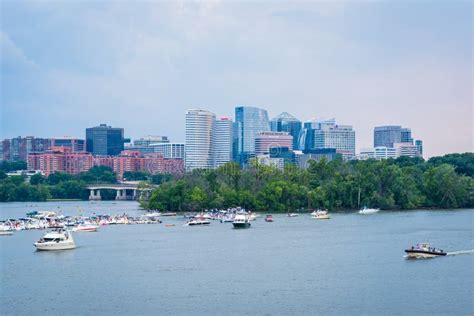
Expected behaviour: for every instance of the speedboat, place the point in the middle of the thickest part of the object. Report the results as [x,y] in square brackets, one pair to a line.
[368,211]
[424,250]
[269,218]
[56,240]
[292,214]
[241,221]
[319,214]
[86,227]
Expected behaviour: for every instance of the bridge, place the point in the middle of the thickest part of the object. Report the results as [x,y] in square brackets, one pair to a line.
[125,191]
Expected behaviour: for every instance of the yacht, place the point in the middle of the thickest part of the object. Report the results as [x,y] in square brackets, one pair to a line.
[56,240]
[368,211]
[241,221]
[86,227]
[424,250]
[198,221]
[319,214]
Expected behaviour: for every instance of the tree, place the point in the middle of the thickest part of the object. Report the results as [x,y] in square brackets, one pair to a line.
[445,188]
[37,179]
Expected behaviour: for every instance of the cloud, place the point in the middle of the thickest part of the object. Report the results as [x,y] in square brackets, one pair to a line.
[141,66]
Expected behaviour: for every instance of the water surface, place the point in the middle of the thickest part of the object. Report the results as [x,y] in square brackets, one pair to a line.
[350,264]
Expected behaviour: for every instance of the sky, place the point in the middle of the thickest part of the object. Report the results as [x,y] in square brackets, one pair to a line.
[68,65]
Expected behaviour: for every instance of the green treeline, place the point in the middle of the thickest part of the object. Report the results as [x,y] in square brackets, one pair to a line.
[56,186]
[403,183]
[62,185]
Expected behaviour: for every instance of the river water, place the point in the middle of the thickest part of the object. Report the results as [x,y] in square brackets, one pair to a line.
[349,265]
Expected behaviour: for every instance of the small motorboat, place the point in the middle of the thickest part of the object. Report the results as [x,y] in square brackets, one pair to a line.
[368,211]
[293,214]
[56,240]
[85,227]
[424,250]
[241,221]
[269,218]
[320,214]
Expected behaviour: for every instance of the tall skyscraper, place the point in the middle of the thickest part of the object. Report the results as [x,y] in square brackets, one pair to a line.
[339,137]
[222,141]
[397,137]
[104,140]
[286,122]
[199,136]
[249,121]
[306,136]
[386,136]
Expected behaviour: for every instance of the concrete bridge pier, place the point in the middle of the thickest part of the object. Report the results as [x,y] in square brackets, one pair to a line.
[95,195]
[121,195]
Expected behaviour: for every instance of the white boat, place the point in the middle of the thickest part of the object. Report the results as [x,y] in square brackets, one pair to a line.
[293,214]
[424,250]
[320,215]
[85,227]
[368,211]
[152,214]
[5,230]
[56,240]
[198,221]
[241,221]
[253,216]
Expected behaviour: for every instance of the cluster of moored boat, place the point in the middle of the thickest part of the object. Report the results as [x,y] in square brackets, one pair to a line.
[52,220]
[61,237]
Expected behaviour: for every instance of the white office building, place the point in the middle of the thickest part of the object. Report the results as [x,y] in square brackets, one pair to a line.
[199,139]
[339,137]
[380,152]
[169,150]
[222,141]
[406,149]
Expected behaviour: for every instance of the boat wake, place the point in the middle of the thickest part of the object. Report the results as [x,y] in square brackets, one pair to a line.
[460,252]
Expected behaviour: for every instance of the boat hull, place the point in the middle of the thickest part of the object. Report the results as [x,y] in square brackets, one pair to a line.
[51,246]
[6,233]
[241,225]
[423,254]
[321,217]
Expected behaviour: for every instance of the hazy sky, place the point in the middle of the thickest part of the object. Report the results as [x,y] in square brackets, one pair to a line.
[70,65]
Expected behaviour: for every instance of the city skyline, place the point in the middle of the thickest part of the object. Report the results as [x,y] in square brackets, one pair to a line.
[366,64]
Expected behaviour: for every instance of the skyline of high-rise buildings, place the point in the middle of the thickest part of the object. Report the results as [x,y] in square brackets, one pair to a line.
[212,142]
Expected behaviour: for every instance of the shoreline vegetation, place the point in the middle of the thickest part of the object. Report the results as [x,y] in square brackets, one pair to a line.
[394,184]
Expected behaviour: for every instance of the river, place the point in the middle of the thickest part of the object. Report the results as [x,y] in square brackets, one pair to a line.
[349,265]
